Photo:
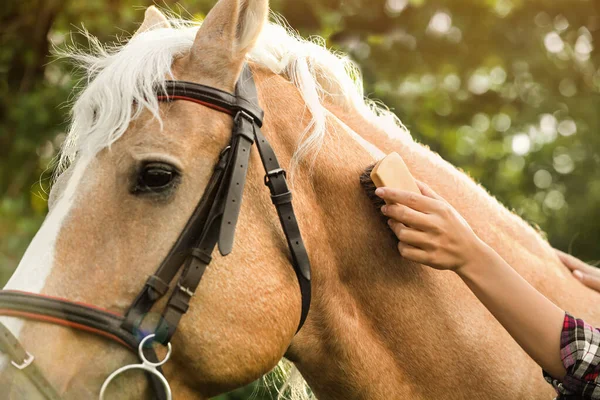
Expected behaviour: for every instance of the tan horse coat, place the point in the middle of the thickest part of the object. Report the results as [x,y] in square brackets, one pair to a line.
[379,327]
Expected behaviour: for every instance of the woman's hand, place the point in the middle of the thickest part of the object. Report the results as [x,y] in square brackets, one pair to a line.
[429,229]
[586,274]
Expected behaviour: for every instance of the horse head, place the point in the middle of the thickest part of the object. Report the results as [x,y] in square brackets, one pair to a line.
[137,171]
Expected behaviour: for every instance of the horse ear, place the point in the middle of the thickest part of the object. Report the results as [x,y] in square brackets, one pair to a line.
[153,19]
[228,32]
[251,18]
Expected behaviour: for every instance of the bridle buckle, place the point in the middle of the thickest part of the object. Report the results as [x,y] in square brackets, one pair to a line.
[224,151]
[26,362]
[243,114]
[185,290]
[274,172]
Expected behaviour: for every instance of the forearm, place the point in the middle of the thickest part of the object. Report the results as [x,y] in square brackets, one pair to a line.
[531,319]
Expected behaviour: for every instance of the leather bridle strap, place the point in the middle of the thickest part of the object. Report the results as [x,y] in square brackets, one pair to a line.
[157,285]
[213,221]
[24,361]
[281,197]
[226,192]
[200,257]
[78,316]
[214,98]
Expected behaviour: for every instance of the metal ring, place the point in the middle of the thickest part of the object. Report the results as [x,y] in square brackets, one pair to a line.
[146,365]
[143,357]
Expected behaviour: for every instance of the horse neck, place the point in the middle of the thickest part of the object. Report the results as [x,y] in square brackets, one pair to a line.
[378,324]
[522,246]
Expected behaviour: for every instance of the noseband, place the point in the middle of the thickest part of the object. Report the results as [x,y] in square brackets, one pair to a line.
[212,222]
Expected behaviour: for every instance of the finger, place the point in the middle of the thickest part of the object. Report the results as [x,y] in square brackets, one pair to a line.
[413,200]
[408,216]
[427,191]
[413,253]
[574,263]
[591,281]
[410,236]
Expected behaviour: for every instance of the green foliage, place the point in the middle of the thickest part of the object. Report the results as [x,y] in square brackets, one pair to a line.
[505,89]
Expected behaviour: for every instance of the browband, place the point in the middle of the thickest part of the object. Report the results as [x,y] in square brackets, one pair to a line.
[210,97]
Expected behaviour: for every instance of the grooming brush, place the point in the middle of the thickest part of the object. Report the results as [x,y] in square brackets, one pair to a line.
[391,171]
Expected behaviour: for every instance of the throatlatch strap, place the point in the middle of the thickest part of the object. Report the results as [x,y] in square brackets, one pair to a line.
[281,196]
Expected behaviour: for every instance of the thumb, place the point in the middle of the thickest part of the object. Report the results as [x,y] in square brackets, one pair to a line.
[591,281]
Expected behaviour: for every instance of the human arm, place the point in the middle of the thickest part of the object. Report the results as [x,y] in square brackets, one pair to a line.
[433,233]
[529,317]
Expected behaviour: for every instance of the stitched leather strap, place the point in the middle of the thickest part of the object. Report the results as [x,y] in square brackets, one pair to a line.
[187,285]
[214,98]
[275,179]
[78,316]
[223,217]
[243,138]
[200,257]
[213,221]
[178,253]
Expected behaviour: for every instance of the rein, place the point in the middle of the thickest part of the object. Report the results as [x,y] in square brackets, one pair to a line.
[213,222]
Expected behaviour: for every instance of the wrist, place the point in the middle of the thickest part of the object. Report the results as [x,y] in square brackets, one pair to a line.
[479,256]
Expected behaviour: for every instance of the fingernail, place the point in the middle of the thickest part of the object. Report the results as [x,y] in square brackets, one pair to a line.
[384,209]
[578,274]
[379,192]
[389,222]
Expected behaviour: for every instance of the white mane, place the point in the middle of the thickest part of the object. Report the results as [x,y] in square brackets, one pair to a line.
[120,75]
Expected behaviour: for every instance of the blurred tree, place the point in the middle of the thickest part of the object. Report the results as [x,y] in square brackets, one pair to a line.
[28,121]
[508,90]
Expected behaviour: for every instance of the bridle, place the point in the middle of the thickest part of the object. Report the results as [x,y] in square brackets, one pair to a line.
[213,221]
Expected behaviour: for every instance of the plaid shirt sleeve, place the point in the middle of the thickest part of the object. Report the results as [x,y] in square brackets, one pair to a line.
[580,354]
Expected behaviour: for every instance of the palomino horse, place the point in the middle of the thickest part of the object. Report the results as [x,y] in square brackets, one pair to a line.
[379,327]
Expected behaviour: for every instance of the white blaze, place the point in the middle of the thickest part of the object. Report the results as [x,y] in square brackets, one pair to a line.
[36,264]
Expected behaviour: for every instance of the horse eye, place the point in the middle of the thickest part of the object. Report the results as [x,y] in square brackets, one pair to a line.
[156,177]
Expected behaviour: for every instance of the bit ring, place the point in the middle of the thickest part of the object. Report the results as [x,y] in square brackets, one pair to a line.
[146,365]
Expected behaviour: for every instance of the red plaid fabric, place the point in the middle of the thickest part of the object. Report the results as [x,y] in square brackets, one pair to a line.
[580,354]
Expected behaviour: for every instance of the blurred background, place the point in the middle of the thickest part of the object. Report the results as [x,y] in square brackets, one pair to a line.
[507,90]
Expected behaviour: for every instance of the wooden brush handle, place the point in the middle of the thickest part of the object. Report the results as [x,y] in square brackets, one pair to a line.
[392,172]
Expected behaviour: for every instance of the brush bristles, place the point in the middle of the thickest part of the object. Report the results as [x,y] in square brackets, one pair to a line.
[369,187]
